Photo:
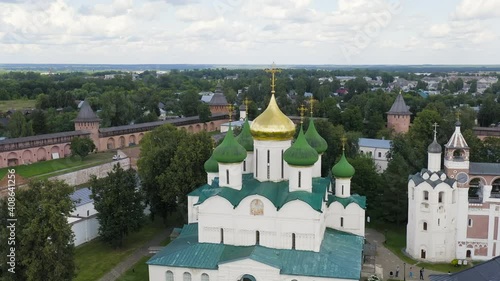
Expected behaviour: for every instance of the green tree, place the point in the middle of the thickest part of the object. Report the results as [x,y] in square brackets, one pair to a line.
[82,146]
[369,183]
[189,103]
[18,126]
[472,87]
[44,239]
[204,112]
[421,85]
[352,119]
[117,109]
[172,156]
[39,122]
[119,204]
[489,113]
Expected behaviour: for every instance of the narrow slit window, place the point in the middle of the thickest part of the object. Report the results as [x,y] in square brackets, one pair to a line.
[293,241]
[257,238]
[300,178]
[341,222]
[222,235]
[256,163]
[342,189]
[227,176]
[244,166]
[282,165]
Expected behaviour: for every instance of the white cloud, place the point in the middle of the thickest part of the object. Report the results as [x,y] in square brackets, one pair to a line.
[477,9]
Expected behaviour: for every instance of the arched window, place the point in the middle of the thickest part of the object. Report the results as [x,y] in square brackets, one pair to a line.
[495,188]
[380,154]
[293,241]
[186,276]
[222,235]
[440,197]
[257,237]
[474,188]
[458,154]
[204,277]
[426,195]
[424,226]
[169,276]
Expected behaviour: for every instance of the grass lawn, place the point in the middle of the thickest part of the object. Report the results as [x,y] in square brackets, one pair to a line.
[94,259]
[50,168]
[139,272]
[396,242]
[16,104]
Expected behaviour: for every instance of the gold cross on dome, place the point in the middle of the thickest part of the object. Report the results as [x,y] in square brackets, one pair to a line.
[311,104]
[343,139]
[272,70]
[302,109]
[230,109]
[246,102]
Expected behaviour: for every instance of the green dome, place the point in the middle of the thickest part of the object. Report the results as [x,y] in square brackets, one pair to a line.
[301,153]
[245,137]
[229,151]
[343,169]
[211,165]
[314,139]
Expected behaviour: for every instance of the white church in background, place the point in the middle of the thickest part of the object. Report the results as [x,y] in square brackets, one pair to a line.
[454,213]
[266,214]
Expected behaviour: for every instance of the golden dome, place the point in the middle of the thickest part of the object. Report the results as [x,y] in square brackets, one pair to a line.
[272,124]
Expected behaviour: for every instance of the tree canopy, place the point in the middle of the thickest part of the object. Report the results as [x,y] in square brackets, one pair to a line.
[171,166]
[44,239]
[119,203]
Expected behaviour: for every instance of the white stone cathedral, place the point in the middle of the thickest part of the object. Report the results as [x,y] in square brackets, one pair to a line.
[266,214]
[453,213]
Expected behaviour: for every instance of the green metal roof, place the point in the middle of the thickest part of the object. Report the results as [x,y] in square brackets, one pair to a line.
[355,198]
[276,192]
[245,137]
[301,153]
[229,151]
[211,165]
[343,169]
[314,139]
[340,255]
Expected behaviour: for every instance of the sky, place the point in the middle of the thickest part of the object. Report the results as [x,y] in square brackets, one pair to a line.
[345,32]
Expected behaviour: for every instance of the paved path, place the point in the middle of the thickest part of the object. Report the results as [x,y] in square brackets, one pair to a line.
[389,261]
[120,268]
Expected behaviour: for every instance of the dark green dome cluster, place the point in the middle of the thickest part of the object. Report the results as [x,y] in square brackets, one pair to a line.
[245,137]
[301,153]
[343,169]
[314,139]
[211,165]
[229,151]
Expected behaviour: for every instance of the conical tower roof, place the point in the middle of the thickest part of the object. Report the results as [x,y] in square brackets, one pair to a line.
[457,139]
[86,114]
[301,153]
[399,106]
[245,137]
[343,169]
[229,151]
[314,139]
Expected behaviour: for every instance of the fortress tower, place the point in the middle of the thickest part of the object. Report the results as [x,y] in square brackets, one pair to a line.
[87,120]
[398,117]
